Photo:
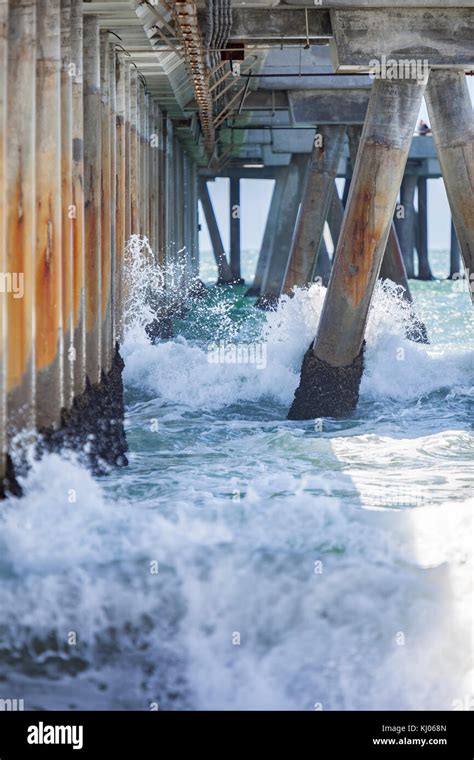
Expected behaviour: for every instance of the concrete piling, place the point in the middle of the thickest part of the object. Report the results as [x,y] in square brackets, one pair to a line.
[3,236]
[48,300]
[77,355]
[92,196]
[454,254]
[134,153]
[234,203]
[122,202]
[333,365]
[405,224]
[316,200]
[269,233]
[424,269]
[105,206]
[285,224]
[102,138]
[224,273]
[113,199]
[452,121]
[21,214]
[67,283]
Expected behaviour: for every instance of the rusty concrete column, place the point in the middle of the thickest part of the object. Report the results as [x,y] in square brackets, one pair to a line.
[3,237]
[113,188]
[92,196]
[48,311]
[153,151]
[21,214]
[106,206]
[162,236]
[285,226]
[187,213]
[234,222]
[424,269]
[393,264]
[67,210]
[78,355]
[269,232]
[193,218]
[121,201]
[134,153]
[452,122]
[170,194]
[332,367]
[224,274]
[454,254]
[316,200]
[141,158]
[128,204]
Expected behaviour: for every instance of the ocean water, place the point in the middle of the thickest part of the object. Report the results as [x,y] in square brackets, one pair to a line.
[242,561]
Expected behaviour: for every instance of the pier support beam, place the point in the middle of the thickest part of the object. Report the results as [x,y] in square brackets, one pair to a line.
[3,237]
[424,269]
[235,253]
[406,225]
[66,205]
[121,200]
[48,312]
[335,216]
[78,355]
[92,196]
[134,154]
[269,232]
[107,348]
[323,265]
[316,200]
[333,365]
[224,273]
[455,254]
[452,122]
[284,229]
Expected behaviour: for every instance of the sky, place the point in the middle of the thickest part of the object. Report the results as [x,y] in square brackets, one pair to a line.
[255,196]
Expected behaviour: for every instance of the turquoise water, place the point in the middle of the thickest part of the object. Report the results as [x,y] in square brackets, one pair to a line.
[243,561]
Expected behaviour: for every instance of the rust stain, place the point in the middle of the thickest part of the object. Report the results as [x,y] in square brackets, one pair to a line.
[19,337]
[367,222]
[47,280]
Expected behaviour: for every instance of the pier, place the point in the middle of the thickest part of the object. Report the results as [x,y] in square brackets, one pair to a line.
[116,116]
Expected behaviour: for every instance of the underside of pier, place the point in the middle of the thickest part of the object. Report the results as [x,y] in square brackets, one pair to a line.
[115,117]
